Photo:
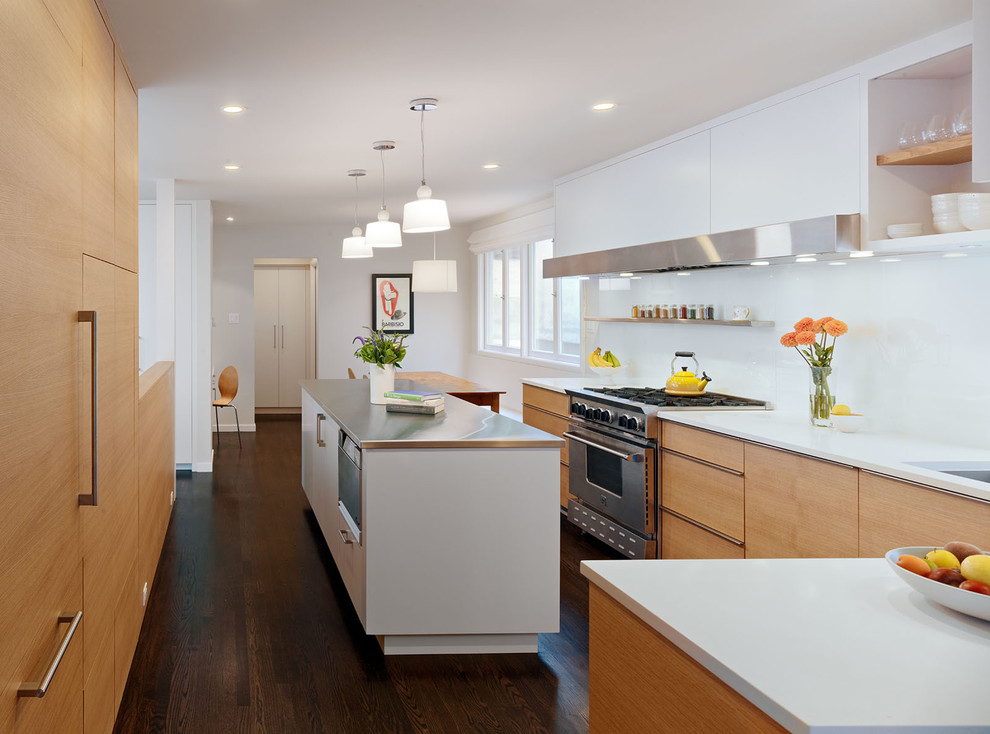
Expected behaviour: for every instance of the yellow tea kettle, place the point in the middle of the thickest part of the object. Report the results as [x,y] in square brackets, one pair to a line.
[685,383]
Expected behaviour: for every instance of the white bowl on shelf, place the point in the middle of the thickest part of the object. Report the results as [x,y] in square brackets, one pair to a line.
[960,600]
[943,223]
[910,229]
[974,210]
[945,203]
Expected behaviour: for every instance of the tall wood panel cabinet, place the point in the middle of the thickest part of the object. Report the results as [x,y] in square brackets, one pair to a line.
[71,603]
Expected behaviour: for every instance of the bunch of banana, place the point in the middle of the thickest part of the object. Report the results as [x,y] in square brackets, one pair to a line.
[597,359]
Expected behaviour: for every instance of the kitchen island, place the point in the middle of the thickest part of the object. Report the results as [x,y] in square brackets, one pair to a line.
[799,645]
[445,528]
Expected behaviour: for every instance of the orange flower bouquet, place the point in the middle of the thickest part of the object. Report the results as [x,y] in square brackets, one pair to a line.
[810,339]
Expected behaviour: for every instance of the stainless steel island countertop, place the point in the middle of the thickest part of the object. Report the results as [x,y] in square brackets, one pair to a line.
[460,425]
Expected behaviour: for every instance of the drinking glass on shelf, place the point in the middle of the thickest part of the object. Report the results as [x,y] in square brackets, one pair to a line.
[937,129]
[910,136]
[962,122]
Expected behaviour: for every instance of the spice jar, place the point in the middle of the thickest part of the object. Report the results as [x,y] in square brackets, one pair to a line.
[635,312]
[682,311]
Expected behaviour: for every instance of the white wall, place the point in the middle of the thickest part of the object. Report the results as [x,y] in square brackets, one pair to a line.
[441,320]
[914,361]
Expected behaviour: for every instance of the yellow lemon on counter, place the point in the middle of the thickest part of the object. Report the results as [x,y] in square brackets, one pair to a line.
[942,558]
[841,409]
[976,568]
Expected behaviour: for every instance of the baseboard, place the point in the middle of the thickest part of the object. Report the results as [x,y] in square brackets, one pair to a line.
[245,428]
[203,466]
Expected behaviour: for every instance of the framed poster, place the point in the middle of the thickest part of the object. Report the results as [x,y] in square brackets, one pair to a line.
[392,303]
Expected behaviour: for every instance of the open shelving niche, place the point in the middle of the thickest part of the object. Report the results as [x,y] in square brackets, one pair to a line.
[902,182]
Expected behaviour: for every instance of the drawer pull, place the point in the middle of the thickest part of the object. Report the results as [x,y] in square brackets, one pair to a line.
[703,462]
[319,439]
[39,689]
[93,499]
[346,537]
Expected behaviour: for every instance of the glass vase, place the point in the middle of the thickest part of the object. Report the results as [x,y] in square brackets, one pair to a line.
[821,397]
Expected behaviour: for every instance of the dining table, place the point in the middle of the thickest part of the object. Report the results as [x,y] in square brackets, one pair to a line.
[454,386]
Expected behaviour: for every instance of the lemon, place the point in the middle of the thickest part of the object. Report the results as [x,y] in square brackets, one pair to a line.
[841,409]
[977,568]
[942,558]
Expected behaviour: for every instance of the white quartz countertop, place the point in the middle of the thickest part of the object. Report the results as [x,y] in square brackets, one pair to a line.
[819,645]
[884,453]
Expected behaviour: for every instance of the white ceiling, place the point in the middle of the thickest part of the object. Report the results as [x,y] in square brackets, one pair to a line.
[324,79]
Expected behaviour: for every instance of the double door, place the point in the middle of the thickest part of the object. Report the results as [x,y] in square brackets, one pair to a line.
[281,335]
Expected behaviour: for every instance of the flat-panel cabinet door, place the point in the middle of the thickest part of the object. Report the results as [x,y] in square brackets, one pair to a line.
[981,100]
[125,169]
[40,356]
[98,134]
[266,350]
[292,335]
[658,195]
[797,159]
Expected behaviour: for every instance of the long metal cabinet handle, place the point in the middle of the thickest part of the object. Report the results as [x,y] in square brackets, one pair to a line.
[319,419]
[274,336]
[344,537]
[40,688]
[635,458]
[283,336]
[94,498]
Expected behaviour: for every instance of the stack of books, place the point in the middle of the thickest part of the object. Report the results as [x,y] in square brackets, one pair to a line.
[413,401]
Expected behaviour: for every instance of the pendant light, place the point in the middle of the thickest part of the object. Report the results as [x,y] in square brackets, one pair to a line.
[383,233]
[434,276]
[425,214]
[356,245]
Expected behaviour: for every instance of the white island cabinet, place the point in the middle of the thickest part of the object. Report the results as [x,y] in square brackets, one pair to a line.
[445,529]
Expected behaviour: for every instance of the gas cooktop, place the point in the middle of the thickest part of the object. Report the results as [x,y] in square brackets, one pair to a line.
[658,397]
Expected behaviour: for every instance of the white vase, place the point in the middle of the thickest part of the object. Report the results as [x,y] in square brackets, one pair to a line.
[382,380]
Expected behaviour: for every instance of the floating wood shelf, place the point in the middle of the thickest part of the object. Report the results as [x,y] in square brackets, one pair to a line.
[943,153]
[690,322]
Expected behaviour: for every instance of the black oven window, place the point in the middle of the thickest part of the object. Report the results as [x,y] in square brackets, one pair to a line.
[605,470]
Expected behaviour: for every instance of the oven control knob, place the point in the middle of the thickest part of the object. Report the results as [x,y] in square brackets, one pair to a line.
[632,424]
[575,407]
[582,409]
[606,416]
[623,421]
[596,413]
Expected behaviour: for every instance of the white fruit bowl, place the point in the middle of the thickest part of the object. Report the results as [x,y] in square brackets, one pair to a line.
[967,602]
[848,423]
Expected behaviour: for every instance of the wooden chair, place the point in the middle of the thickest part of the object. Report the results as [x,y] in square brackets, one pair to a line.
[227,384]
[350,373]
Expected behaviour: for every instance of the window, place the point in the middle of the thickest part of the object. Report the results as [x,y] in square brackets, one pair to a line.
[524,314]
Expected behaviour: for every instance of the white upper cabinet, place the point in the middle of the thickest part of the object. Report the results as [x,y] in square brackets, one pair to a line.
[981,91]
[797,159]
[661,194]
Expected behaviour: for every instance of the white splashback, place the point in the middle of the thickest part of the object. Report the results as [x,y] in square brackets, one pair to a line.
[916,359]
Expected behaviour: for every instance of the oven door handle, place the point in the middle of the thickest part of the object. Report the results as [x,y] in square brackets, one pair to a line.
[635,458]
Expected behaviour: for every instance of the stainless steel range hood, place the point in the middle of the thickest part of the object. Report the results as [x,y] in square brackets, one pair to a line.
[823,237]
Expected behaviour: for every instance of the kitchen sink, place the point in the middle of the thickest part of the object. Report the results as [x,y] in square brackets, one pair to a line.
[976,470]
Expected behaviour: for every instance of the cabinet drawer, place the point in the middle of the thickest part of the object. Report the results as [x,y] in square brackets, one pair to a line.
[548,400]
[704,445]
[681,539]
[894,514]
[711,496]
[547,422]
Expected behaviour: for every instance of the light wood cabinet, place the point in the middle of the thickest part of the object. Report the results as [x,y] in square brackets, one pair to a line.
[799,507]
[709,494]
[125,140]
[704,445]
[548,410]
[681,538]
[894,514]
[97,136]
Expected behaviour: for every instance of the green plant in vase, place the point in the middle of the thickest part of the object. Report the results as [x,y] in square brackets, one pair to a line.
[810,339]
[380,348]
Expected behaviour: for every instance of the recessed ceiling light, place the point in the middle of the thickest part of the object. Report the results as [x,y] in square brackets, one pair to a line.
[760,262]
[891,260]
[583,277]
[954,254]
[231,166]
[862,253]
[806,259]
[234,109]
[684,275]
[837,262]
[603,106]
[636,277]
[230,219]
[492,166]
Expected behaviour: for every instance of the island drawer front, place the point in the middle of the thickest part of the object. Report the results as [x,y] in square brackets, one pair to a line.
[894,513]
[704,445]
[683,539]
[711,496]
[548,400]
[547,422]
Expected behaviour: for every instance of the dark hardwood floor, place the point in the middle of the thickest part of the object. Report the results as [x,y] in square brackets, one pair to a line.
[249,627]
